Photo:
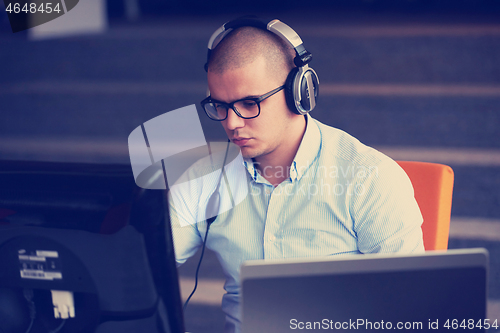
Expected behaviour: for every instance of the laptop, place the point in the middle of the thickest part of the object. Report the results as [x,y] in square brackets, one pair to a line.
[433,291]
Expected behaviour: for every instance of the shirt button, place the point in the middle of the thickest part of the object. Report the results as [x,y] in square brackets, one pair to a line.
[272,238]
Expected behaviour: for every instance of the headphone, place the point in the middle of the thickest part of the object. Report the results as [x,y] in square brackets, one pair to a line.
[302,83]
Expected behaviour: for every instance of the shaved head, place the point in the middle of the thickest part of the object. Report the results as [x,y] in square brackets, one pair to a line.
[244,45]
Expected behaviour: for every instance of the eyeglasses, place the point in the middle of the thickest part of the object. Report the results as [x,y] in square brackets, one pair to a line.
[246,108]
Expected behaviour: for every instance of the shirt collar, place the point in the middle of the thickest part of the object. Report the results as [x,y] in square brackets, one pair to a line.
[308,150]
[248,163]
[306,154]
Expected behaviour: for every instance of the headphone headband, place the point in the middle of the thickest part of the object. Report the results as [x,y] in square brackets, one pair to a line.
[277,27]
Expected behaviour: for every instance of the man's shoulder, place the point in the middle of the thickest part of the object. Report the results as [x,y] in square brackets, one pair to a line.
[344,151]
[340,145]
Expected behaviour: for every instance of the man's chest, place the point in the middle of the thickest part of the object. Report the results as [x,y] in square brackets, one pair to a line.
[291,220]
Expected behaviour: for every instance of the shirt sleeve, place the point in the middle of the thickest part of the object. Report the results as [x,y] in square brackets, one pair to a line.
[385,213]
[185,234]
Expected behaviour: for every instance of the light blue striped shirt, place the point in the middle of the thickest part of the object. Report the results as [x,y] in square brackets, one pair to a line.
[342,197]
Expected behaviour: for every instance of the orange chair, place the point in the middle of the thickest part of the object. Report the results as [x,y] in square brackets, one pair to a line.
[433,185]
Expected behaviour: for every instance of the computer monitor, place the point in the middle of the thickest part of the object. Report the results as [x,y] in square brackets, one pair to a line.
[86,229]
[426,292]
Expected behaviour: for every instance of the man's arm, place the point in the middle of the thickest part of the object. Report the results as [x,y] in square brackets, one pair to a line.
[386,215]
[186,236]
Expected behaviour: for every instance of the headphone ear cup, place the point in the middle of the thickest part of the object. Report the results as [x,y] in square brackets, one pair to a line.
[290,100]
[308,85]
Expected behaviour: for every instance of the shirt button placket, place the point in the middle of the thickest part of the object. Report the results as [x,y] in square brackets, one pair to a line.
[272,246]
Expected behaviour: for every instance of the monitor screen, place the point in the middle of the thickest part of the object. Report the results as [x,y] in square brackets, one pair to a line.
[83,249]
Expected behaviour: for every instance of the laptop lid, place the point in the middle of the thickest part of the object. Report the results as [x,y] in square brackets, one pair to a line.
[425,292]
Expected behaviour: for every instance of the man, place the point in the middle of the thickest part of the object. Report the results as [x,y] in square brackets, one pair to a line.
[313,189]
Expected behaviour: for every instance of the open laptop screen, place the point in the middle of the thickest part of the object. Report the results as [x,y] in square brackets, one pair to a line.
[424,292]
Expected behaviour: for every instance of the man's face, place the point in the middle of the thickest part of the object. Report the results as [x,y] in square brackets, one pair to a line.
[265,135]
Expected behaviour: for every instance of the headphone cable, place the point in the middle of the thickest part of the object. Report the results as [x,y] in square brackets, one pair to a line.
[198,268]
[209,223]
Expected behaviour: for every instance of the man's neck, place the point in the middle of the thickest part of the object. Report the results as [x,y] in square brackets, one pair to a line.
[275,167]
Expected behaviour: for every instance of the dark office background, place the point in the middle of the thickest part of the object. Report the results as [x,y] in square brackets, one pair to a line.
[159,7]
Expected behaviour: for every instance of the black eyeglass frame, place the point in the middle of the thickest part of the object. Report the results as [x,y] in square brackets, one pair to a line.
[228,106]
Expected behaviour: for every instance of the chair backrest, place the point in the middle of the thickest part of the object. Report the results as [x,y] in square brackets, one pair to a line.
[433,185]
